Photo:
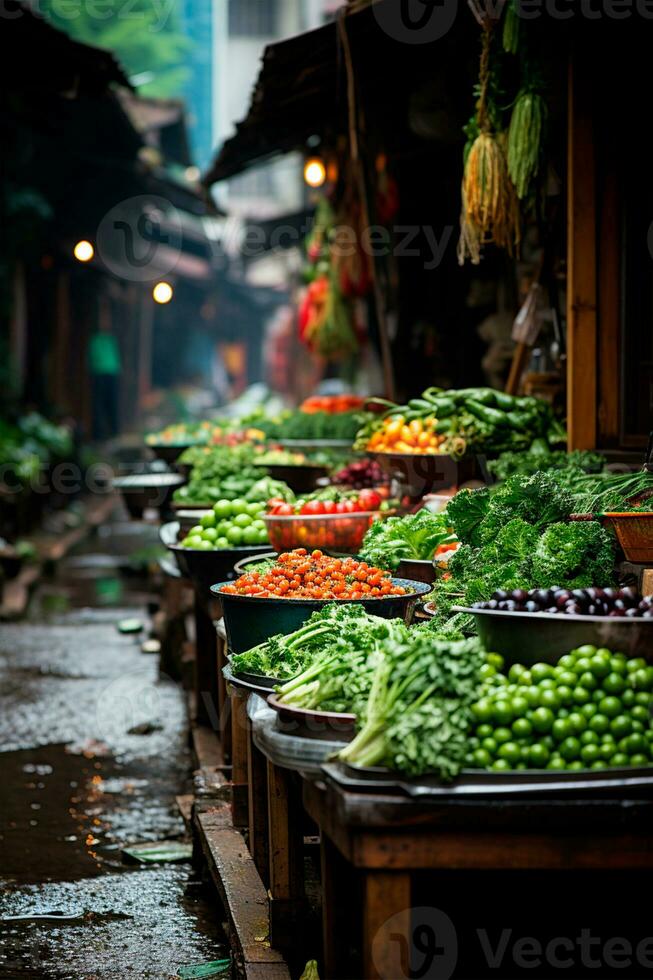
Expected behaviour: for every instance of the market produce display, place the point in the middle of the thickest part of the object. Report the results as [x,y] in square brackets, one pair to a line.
[276,456]
[332,404]
[419,536]
[333,630]
[616,603]
[302,575]
[230,524]
[180,434]
[229,472]
[518,536]
[310,426]
[361,474]
[592,710]
[460,422]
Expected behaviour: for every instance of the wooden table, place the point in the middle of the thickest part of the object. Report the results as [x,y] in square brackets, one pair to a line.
[373,847]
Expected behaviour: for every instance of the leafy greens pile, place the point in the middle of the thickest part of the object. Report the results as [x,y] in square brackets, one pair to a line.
[227,473]
[415,536]
[411,693]
[517,536]
[337,629]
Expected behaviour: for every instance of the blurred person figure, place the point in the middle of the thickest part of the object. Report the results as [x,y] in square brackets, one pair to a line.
[105,366]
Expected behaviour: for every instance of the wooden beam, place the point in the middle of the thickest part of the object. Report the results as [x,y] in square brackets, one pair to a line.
[581,257]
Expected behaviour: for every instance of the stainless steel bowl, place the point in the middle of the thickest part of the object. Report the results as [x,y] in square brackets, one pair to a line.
[529,638]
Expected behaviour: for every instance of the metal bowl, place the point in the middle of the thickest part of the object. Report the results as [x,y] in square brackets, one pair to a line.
[141,491]
[205,567]
[529,638]
[169,452]
[329,725]
[250,620]
[300,477]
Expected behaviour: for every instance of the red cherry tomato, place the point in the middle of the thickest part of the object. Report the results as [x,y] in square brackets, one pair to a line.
[369,500]
[329,507]
[313,507]
[283,510]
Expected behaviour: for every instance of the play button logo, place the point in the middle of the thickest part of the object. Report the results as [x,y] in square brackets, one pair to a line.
[416,21]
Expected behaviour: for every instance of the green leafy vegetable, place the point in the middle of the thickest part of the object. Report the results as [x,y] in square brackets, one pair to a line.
[415,536]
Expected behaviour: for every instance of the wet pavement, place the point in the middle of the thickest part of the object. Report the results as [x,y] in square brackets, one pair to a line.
[93,752]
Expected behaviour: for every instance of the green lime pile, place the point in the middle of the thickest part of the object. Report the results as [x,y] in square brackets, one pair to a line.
[592,710]
[230,524]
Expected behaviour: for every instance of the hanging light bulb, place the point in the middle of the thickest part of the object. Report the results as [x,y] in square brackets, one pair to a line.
[83,251]
[162,292]
[314,172]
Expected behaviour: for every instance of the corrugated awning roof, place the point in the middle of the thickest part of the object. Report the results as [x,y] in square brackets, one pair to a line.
[301,89]
[43,55]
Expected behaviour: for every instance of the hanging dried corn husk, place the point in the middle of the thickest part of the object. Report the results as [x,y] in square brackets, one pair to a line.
[489,207]
[525,139]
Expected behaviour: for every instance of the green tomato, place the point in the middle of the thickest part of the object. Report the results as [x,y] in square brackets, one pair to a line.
[637,745]
[538,756]
[549,699]
[567,677]
[259,524]
[242,520]
[561,729]
[484,730]
[501,735]
[490,745]
[621,726]
[193,541]
[250,535]
[588,681]
[565,694]
[234,536]
[582,664]
[639,760]
[581,695]
[610,706]
[628,698]
[588,737]
[522,728]
[577,722]
[642,679]
[619,760]
[568,662]
[210,534]
[600,666]
[239,506]
[599,723]
[587,650]
[496,660]
[511,752]
[540,672]
[482,759]
[222,508]
[570,748]
[640,713]
[208,520]
[635,663]
[222,542]
[575,765]
[502,712]
[614,683]
[543,720]
[206,546]
[483,710]
[556,762]
[589,754]
[501,765]
[196,531]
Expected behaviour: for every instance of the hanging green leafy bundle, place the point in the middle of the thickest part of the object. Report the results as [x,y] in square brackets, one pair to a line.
[525,140]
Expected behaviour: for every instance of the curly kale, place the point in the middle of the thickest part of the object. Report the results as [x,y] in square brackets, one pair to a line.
[466,512]
[415,536]
[539,500]
[568,465]
[576,555]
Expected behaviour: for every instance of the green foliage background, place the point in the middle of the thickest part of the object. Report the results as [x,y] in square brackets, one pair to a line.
[144,36]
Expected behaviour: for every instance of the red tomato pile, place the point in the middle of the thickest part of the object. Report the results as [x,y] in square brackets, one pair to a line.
[333,404]
[315,506]
[302,575]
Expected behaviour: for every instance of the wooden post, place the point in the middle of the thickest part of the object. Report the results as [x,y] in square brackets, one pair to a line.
[286,856]
[239,798]
[386,925]
[338,900]
[581,256]
[257,789]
